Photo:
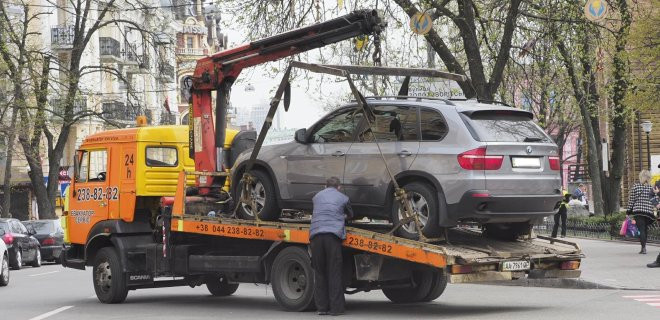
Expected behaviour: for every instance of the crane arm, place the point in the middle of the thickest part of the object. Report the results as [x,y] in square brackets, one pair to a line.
[219,71]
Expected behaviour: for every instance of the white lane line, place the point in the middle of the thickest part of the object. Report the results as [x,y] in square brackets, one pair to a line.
[50,313]
[644,296]
[654,304]
[41,274]
[649,300]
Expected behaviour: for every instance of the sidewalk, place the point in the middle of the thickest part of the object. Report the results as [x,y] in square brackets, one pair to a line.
[617,264]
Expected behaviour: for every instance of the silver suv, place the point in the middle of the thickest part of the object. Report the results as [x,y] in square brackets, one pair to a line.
[460,161]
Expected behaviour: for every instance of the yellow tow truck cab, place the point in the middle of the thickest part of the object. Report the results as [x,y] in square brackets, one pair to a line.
[122,174]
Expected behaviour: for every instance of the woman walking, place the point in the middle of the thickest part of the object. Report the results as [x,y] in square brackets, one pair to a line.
[639,205]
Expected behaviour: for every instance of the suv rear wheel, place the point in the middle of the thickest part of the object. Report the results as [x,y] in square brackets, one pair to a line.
[424,203]
[263,192]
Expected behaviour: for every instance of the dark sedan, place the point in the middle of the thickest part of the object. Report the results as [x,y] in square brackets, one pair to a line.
[23,247]
[50,236]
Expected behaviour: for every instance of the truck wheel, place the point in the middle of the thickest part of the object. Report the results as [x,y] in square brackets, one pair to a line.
[438,286]
[506,231]
[292,278]
[18,260]
[425,203]
[108,278]
[263,192]
[36,263]
[4,271]
[219,286]
[421,289]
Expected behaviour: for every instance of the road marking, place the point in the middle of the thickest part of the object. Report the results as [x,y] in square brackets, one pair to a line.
[41,274]
[648,299]
[50,313]
[652,300]
[644,296]
[654,304]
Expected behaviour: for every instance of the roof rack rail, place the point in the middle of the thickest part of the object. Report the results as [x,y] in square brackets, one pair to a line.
[447,101]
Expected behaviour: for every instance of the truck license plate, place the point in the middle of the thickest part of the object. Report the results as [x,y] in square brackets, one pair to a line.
[515,265]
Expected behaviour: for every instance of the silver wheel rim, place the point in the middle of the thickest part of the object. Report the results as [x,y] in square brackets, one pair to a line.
[420,207]
[19,258]
[5,271]
[294,282]
[38,257]
[258,193]
[103,277]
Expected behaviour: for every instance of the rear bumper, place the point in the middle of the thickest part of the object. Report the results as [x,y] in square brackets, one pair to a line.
[483,207]
[51,252]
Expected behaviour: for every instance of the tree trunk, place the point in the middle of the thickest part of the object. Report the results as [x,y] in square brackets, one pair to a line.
[11,138]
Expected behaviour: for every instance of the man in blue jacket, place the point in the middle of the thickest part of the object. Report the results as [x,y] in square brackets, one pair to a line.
[331,209]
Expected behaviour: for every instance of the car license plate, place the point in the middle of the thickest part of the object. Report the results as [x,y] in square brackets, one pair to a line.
[526,162]
[515,265]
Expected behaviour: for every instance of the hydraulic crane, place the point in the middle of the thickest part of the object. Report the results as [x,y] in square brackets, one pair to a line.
[219,71]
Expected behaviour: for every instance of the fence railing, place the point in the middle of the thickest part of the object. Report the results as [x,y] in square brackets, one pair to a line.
[595,230]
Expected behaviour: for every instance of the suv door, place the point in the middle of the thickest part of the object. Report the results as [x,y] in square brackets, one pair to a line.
[89,203]
[396,128]
[309,165]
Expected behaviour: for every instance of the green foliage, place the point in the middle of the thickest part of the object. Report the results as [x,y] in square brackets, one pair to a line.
[612,219]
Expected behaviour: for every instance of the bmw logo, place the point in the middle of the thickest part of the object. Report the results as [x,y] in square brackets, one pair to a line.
[529,149]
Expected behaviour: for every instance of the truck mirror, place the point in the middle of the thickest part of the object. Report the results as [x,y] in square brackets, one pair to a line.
[301,135]
[287,96]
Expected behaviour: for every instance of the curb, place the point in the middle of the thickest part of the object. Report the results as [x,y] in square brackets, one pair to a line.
[561,283]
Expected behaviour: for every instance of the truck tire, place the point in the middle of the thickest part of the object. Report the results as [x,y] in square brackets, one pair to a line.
[421,289]
[438,286]
[18,260]
[108,278]
[219,286]
[4,271]
[264,191]
[425,202]
[292,279]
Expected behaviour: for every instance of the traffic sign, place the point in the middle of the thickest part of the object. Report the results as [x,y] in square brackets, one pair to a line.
[421,23]
[595,10]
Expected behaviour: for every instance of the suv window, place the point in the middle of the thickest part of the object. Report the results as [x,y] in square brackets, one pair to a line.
[392,123]
[337,127]
[161,157]
[505,126]
[433,125]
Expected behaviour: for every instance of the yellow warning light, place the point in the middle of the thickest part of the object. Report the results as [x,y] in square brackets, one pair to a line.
[141,121]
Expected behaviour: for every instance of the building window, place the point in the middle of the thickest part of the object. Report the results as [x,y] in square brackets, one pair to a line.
[189,42]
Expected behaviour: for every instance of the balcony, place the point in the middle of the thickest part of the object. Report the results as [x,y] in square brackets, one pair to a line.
[192,51]
[165,72]
[61,37]
[57,105]
[110,50]
[119,112]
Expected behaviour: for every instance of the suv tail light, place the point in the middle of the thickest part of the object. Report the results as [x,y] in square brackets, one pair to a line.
[8,238]
[48,242]
[554,163]
[476,159]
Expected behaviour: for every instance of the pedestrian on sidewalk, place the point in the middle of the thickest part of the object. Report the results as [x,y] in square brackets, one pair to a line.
[655,200]
[331,209]
[640,207]
[561,215]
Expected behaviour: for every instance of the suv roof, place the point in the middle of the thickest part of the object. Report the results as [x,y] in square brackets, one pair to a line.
[459,105]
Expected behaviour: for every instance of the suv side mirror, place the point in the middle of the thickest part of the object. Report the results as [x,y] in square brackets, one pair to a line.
[301,136]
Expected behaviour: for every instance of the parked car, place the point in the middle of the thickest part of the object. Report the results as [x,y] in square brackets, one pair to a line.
[459,161]
[50,235]
[23,247]
[4,262]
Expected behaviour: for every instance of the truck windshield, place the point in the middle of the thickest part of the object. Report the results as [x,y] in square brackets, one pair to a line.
[504,127]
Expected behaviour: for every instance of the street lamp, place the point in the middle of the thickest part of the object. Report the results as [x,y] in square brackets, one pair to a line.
[647,126]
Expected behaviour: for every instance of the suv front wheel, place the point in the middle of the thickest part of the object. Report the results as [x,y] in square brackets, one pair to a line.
[262,191]
[424,203]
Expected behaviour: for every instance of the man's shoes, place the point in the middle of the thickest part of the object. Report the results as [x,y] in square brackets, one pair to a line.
[643,251]
[654,264]
[322,313]
[563,236]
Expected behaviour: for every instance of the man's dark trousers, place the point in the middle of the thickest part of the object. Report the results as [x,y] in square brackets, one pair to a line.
[561,215]
[326,260]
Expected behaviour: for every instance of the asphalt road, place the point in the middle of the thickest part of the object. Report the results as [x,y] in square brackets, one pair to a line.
[52,292]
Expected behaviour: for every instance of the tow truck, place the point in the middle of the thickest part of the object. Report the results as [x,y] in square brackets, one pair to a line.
[141,217]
